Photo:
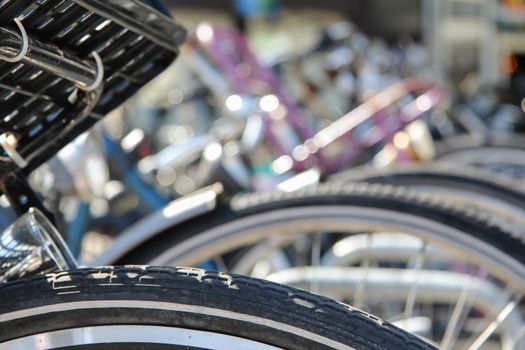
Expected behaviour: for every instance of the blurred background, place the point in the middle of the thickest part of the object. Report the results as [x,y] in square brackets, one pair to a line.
[265,91]
[327,57]
[460,37]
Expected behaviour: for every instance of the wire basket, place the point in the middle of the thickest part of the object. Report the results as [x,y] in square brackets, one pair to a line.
[134,42]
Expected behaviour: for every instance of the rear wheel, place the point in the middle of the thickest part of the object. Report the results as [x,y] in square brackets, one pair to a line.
[181,308]
[426,265]
[500,154]
[465,186]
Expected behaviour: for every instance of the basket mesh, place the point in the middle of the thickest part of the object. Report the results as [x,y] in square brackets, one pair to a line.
[34,103]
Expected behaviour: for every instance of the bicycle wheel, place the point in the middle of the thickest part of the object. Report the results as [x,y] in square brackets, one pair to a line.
[357,205]
[175,308]
[465,186]
[446,247]
[501,154]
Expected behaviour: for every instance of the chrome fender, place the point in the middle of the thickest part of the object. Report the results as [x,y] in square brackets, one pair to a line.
[192,205]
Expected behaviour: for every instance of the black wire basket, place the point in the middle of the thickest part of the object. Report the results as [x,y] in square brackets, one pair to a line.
[41,104]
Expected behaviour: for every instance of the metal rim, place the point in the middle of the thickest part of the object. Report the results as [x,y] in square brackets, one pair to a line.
[281,225]
[164,306]
[150,336]
[339,218]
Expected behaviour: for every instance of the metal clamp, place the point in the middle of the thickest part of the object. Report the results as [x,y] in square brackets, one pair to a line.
[100,74]
[25,48]
[25,44]
[99,79]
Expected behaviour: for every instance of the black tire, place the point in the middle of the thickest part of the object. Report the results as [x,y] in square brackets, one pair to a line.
[496,193]
[227,235]
[460,143]
[503,150]
[474,232]
[192,299]
[457,177]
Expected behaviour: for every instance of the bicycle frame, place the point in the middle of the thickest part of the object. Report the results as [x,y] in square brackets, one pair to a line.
[229,50]
[315,151]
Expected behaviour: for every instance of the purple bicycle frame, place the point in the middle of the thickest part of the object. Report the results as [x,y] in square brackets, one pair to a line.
[229,51]
[315,151]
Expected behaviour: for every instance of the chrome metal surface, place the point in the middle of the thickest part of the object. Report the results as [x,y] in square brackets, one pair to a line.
[25,44]
[79,169]
[379,246]
[195,204]
[31,245]
[170,307]
[290,222]
[176,155]
[108,335]
[387,284]
[304,179]
[47,58]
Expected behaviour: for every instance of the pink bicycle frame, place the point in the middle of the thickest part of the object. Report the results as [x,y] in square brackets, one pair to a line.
[316,150]
[230,51]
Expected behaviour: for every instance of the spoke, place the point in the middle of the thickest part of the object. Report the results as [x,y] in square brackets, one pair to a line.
[411,297]
[315,260]
[359,297]
[491,328]
[459,315]
[484,323]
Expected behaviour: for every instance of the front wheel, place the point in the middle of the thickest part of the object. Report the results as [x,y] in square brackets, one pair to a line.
[181,308]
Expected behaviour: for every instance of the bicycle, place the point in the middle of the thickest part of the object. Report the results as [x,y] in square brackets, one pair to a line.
[229,234]
[346,240]
[73,62]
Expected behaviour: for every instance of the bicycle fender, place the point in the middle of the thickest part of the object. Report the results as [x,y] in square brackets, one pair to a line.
[190,206]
